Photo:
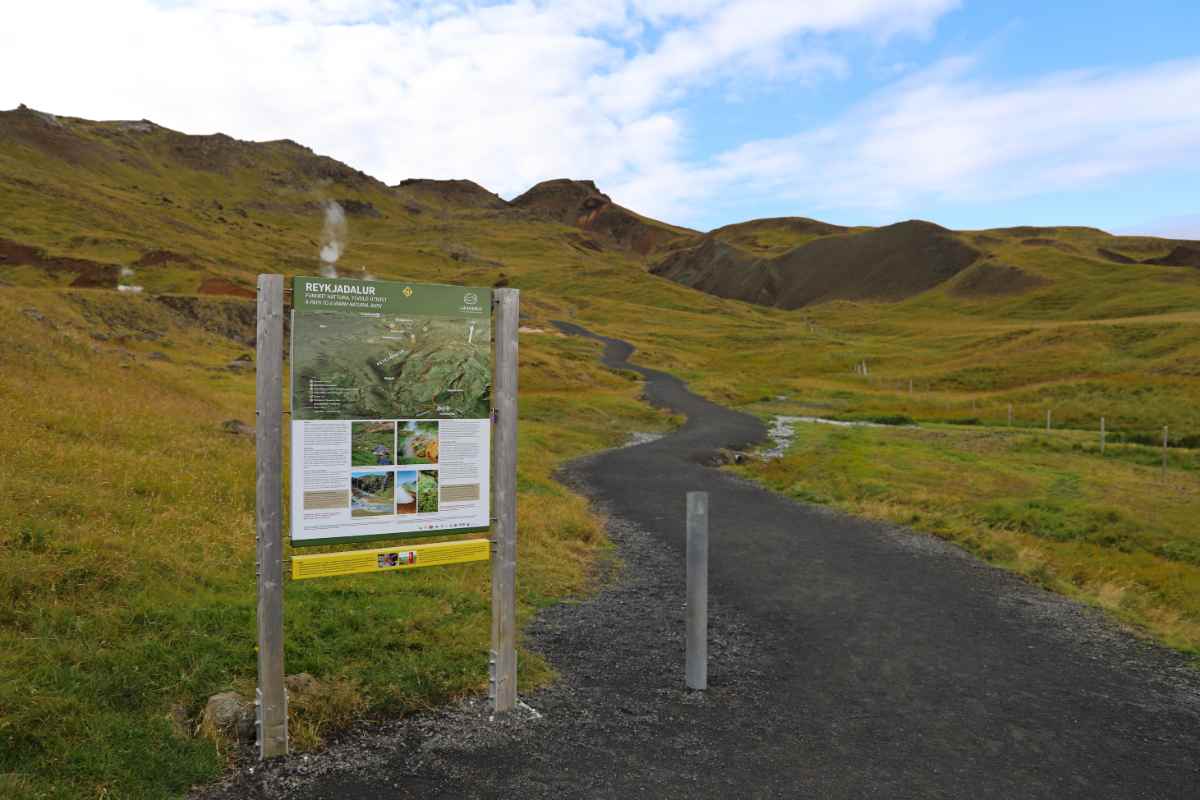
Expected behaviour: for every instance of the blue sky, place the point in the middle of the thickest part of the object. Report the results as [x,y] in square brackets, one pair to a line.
[700,112]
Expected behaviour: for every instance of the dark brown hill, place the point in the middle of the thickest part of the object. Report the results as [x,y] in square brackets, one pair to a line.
[449,193]
[889,263]
[1184,255]
[582,205]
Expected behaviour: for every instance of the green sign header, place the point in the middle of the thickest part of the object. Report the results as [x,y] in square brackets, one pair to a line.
[390,297]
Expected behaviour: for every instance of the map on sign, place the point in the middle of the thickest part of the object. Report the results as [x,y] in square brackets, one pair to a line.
[389,367]
[391,409]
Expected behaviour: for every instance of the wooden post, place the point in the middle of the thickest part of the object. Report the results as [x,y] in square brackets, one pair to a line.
[1047,419]
[910,391]
[1103,436]
[268,433]
[696,671]
[1010,415]
[504,485]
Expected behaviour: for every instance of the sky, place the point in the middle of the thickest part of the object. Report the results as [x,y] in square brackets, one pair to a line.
[700,112]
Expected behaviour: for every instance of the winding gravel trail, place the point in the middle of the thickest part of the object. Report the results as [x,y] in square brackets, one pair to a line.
[850,660]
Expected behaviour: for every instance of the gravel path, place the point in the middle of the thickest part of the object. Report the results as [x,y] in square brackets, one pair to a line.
[848,660]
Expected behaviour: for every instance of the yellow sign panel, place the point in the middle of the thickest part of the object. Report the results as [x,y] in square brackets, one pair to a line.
[387,559]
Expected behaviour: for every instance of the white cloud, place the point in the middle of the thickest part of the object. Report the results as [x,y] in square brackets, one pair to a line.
[506,93]
[512,92]
[943,136]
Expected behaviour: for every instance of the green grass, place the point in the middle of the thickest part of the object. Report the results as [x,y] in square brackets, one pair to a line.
[1112,530]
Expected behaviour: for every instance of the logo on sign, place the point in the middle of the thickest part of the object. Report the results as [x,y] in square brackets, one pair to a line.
[407,291]
[471,299]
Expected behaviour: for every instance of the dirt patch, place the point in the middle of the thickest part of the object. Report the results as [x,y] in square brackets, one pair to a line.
[992,280]
[584,243]
[226,287]
[156,258]
[88,274]
[225,316]
[889,263]
[359,208]
[1114,256]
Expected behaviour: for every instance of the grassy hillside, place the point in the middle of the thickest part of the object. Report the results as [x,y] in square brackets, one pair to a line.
[126,530]
[127,548]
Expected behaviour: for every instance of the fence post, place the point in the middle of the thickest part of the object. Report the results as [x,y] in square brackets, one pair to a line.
[1103,436]
[271,701]
[1047,419]
[1010,415]
[504,483]
[697,590]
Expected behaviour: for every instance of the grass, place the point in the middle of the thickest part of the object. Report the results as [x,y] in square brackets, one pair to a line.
[1111,530]
[126,551]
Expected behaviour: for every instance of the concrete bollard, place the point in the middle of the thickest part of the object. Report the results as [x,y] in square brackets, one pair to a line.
[697,590]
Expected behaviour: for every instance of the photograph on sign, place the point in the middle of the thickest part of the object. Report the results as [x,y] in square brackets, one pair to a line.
[391,405]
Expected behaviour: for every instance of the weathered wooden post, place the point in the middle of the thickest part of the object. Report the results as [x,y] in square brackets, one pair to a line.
[504,482]
[1048,419]
[696,671]
[1103,436]
[271,700]
[1010,415]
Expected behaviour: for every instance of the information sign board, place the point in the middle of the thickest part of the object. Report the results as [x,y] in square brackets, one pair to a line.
[391,405]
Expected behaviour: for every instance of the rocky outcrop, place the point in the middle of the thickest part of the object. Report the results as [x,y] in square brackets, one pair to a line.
[580,204]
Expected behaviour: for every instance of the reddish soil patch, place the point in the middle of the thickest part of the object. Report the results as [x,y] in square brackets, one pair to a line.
[87,273]
[225,287]
[991,280]
[156,258]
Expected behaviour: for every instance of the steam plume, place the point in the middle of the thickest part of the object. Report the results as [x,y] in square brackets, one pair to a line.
[333,238]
